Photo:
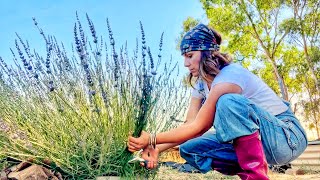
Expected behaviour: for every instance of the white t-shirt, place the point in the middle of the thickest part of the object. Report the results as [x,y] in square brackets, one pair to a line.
[252,87]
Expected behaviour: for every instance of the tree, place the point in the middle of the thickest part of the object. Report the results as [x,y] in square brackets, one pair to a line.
[253,29]
[307,29]
[305,34]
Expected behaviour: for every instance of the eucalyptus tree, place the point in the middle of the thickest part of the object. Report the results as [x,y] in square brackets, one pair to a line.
[304,34]
[254,29]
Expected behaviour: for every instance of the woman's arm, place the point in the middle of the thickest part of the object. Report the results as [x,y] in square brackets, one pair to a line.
[194,107]
[200,125]
[204,119]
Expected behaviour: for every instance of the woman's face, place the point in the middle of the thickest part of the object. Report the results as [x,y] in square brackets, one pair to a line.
[192,62]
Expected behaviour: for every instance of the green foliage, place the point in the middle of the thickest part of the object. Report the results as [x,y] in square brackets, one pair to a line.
[305,34]
[77,110]
[251,29]
[268,77]
[315,57]
[188,24]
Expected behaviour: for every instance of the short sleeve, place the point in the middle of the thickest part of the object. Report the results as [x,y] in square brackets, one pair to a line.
[196,94]
[231,75]
[198,90]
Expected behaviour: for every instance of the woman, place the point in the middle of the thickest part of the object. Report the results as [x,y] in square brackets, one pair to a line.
[252,124]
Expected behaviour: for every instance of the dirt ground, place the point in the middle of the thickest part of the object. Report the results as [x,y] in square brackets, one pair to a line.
[166,173]
[296,173]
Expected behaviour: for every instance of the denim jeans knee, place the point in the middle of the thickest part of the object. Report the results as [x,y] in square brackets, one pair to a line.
[200,152]
[232,118]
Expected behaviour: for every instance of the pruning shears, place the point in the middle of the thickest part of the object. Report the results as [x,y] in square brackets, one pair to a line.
[137,157]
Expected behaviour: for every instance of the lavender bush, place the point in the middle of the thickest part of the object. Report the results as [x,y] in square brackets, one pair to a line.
[75,110]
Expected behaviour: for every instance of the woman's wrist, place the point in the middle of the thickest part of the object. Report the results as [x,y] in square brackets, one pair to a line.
[152,141]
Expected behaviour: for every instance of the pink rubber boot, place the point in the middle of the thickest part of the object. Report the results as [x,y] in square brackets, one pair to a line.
[251,157]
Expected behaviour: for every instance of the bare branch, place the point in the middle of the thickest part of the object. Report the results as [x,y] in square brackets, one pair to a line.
[280,40]
[275,31]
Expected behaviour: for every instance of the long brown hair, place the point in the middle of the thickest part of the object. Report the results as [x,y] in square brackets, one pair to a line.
[210,63]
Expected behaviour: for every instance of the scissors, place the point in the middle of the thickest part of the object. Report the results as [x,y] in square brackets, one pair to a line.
[137,157]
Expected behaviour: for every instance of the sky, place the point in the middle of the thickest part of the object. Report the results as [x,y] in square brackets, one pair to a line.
[58,17]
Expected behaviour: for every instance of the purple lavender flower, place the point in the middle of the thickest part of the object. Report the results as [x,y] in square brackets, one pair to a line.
[76,39]
[34,20]
[143,49]
[89,79]
[51,87]
[92,29]
[26,47]
[115,56]
[153,72]
[48,60]
[40,30]
[160,49]
[29,67]
[92,92]
[25,63]
[81,32]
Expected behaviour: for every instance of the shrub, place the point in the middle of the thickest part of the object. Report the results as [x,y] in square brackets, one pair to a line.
[74,112]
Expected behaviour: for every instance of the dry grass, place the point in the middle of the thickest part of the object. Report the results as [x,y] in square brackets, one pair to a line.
[172,155]
[166,173]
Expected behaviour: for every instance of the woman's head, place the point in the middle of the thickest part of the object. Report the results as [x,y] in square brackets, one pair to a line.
[200,38]
[200,48]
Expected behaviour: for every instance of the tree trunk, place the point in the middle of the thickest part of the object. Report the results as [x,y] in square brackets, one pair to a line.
[283,88]
[310,65]
[318,133]
[314,77]
[268,52]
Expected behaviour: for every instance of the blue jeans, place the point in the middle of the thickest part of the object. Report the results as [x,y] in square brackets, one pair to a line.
[282,136]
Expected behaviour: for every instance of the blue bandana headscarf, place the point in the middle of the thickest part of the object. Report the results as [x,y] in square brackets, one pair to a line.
[199,38]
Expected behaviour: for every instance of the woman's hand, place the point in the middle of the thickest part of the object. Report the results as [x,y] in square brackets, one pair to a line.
[135,144]
[151,156]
